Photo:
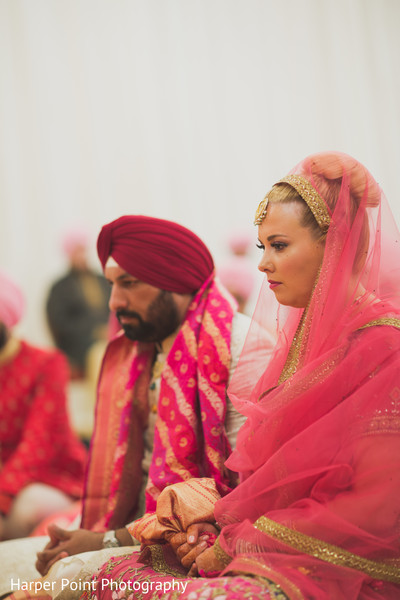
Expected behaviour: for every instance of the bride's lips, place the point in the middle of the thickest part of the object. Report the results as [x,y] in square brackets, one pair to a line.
[273,284]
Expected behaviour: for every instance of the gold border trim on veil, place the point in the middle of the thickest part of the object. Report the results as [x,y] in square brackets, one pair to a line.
[310,196]
[220,554]
[159,563]
[328,552]
[389,321]
[301,335]
[293,357]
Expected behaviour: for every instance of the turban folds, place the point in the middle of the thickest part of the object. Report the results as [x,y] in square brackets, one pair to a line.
[11,301]
[159,252]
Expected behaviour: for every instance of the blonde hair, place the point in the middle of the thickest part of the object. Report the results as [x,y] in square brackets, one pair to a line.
[285,194]
[329,190]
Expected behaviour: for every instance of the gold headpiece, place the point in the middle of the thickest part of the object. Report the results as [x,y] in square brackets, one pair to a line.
[310,196]
[261,211]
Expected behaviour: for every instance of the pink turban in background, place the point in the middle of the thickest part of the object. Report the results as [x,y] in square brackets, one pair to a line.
[238,276]
[158,252]
[11,301]
[76,236]
[240,241]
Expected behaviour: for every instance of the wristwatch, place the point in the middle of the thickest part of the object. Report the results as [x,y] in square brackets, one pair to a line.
[110,540]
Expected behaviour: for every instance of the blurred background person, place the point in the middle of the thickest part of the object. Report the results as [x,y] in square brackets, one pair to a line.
[77,305]
[78,317]
[41,460]
[237,272]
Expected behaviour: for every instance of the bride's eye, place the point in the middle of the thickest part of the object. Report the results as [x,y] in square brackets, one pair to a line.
[279,246]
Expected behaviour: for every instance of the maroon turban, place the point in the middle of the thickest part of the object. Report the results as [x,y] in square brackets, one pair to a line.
[158,252]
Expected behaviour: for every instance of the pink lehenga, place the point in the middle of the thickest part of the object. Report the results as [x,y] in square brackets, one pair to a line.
[317,512]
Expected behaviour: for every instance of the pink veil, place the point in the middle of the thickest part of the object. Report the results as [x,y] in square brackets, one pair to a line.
[318,506]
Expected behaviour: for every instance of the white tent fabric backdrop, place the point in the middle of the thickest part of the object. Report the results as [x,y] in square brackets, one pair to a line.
[183,109]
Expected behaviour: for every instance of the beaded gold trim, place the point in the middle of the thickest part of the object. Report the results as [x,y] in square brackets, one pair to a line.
[313,200]
[328,552]
[293,357]
[310,197]
[261,211]
[220,554]
[299,339]
[383,321]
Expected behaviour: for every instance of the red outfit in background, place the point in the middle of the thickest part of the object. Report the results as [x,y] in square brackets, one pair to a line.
[36,440]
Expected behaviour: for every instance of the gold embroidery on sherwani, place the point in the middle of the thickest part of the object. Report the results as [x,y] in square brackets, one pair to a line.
[328,552]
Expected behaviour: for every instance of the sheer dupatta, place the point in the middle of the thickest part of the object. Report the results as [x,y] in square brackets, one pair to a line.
[318,506]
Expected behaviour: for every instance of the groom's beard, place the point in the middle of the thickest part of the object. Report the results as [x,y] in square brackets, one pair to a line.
[162,319]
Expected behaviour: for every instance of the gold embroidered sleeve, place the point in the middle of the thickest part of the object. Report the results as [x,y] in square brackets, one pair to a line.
[220,554]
